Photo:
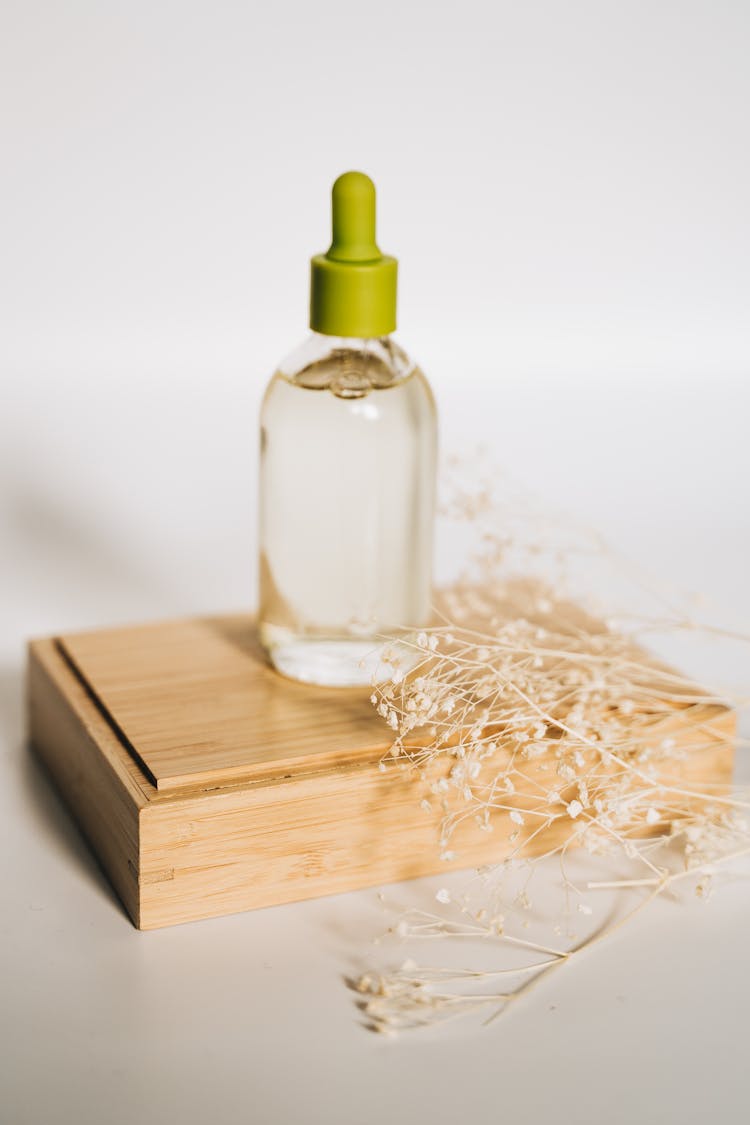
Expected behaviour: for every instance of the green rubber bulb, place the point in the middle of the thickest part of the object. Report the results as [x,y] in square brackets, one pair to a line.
[353,285]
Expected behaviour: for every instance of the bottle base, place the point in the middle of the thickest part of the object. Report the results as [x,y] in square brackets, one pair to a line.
[333,662]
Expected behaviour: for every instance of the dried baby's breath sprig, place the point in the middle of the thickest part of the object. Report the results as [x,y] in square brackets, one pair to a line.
[522,714]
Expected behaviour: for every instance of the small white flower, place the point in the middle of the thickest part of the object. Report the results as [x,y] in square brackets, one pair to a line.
[653,816]
[575,808]
[443,895]
[583,908]
[516,817]
[704,888]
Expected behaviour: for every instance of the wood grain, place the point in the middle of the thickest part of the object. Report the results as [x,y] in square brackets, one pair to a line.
[207,784]
[200,705]
[101,785]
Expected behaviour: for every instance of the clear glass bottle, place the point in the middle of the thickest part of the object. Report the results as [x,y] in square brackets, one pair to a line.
[347,496]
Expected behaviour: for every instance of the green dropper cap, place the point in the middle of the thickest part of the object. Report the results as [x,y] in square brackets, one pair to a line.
[353,285]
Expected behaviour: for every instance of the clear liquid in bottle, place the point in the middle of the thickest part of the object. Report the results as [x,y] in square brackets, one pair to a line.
[347,495]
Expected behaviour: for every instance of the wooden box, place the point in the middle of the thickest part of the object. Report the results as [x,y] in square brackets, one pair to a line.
[207,784]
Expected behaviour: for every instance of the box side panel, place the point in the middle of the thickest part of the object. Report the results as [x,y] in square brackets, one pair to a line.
[73,740]
[342,830]
[301,838]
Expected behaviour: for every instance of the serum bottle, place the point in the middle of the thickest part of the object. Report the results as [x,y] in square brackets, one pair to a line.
[347,470]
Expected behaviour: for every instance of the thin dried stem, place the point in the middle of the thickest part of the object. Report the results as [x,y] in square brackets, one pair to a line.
[523,714]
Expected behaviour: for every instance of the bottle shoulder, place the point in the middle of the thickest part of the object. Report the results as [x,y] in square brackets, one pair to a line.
[348,367]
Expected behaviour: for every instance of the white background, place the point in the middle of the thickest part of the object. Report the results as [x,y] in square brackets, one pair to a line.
[566,186]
